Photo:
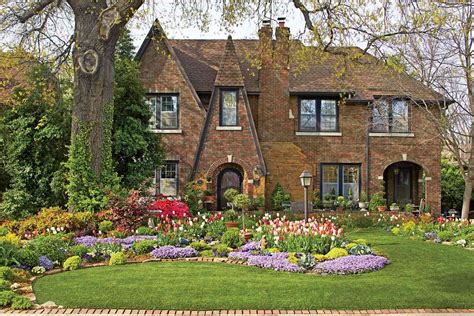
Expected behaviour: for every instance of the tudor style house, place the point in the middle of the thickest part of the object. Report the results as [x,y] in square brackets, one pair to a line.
[250,114]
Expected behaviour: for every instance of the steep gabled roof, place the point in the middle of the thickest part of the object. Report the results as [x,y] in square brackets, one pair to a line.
[229,73]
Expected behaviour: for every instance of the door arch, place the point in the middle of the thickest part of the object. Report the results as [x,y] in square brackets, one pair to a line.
[228,178]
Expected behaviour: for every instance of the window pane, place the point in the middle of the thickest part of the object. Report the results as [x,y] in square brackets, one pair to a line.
[151,102]
[330,180]
[328,107]
[169,179]
[351,182]
[308,115]
[380,117]
[169,112]
[399,116]
[229,108]
[328,115]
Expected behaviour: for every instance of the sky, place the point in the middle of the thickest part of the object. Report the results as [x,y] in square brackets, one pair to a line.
[175,29]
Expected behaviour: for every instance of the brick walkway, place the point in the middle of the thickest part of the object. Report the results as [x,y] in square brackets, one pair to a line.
[418,312]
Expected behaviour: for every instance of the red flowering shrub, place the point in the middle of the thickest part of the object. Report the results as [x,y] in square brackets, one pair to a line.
[170,208]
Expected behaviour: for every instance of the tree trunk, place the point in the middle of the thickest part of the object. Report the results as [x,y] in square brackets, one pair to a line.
[466,200]
[93,84]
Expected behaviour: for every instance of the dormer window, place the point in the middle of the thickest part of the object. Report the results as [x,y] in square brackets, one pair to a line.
[390,116]
[228,108]
[318,115]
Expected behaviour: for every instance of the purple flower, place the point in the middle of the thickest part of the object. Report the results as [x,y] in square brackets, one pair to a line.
[251,246]
[171,252]
[240,255]
[431,235]
[352,264]
[87,241]
[277,261]
[45,263]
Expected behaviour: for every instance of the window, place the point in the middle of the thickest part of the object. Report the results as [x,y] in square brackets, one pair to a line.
[390,116]
[165,111]
[318,115]
[340,180]
[168,177]
[228,105]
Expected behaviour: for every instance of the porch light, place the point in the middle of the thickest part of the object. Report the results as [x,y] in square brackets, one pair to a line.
[305,179]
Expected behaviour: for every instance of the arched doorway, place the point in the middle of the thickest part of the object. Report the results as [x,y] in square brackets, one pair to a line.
[228,178]
[403,183]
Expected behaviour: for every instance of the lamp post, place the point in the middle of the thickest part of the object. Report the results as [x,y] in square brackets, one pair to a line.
[305,179]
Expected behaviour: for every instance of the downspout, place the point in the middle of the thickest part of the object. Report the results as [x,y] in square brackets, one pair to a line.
[367,160]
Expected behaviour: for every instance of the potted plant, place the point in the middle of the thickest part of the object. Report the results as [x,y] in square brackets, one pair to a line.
[363,200]
[209,196]
[377,202]
[409,208]
[230,218]
[229,195]
[394,207]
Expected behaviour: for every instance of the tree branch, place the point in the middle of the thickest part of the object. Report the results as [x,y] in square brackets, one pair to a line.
[34,10]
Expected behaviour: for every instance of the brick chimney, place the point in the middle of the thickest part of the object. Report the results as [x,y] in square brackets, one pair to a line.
[273,105]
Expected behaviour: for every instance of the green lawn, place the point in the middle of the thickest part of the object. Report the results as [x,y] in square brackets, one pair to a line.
[422,275]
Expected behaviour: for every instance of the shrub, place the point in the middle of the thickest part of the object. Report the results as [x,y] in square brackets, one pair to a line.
[54,247]
[106,226]
[127,214]
[200,245]
[12,238]
[72,263]
[6,297]
[396,231]
[230,194]
[222,249]
[3,231]
[207,253]
[170,208]
[117,258]
[445,235]
[28,257]
[336,253]
[78,250]
[143,230]
[232,238]
[241,201]
[144,246]
[230,215]
[350,245]
[6,273]
[8,254]
[361,241]
[21,302]
[4,285]
[292,258]
[278,197]
[307,261]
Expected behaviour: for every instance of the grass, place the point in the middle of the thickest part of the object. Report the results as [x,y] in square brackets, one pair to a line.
[421,275]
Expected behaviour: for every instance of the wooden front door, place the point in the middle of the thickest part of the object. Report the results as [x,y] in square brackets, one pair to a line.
[227,179]
[403,186]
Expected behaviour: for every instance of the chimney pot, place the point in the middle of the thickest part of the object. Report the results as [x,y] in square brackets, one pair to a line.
[266,22]
[281,21]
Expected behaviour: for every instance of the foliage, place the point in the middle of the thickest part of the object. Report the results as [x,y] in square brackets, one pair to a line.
[232,238]
[363,197]
[221,249]
[117,258]
[200,245]
[278,197]
[4,285]
[192,195]
[452,185]
[21,302]
[28,257]
[8,254]
[230,216]
[360,250]
[336,253]
[144,246]
[6,297]
[54,220]
[78,250]
[72,263]
[377,199]
[35,132]
[136,151]
[307,261]
[106,226]
[143,230]
[6,273]
[230,194]
[207,253]
[53,246]
[241,201]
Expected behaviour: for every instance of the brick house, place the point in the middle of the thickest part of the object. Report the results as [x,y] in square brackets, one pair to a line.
[250,114]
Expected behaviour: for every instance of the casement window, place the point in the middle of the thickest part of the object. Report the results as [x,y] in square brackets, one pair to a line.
[165,111]
[169,178]
[340,180]
[390,116]
[228,108]
[318,115]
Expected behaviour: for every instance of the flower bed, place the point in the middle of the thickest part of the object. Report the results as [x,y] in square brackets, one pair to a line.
[170,252]
[352,264]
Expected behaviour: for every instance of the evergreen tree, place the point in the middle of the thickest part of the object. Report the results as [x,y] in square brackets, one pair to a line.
[34,131]
[136,150]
